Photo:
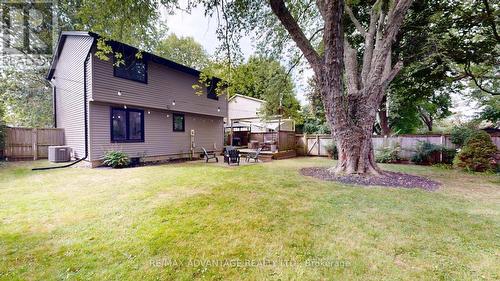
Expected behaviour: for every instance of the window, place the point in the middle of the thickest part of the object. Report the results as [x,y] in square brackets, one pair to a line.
[127,125]
[211,90]
[179,123]
[132,68]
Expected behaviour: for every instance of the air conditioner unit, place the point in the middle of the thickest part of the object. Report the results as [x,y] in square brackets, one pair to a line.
[59,153]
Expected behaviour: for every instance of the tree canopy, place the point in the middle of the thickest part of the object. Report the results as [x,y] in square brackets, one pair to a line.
[262,78]
[183,50]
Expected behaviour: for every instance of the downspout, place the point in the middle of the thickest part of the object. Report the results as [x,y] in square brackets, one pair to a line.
[86,125]
[54,103]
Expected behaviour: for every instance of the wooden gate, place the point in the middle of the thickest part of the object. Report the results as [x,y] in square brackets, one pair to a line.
[28,143]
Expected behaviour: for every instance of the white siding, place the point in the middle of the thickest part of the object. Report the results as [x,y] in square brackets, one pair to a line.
[242,107]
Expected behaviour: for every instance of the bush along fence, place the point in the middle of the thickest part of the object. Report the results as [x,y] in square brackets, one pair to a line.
[408,145]
[30,144]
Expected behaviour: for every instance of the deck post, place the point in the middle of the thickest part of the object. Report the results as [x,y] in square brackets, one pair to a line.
[34,142]
[231,134]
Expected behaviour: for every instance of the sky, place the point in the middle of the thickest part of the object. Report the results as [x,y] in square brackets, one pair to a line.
[203,30]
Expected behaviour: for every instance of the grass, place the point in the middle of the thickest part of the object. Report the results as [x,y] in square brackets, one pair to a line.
[197,221]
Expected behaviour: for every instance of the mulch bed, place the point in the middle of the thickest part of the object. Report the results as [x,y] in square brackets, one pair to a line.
[390,179]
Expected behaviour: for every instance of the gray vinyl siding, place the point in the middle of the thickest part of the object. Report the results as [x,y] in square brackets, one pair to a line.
[164,86]
[159,137]
[70,91]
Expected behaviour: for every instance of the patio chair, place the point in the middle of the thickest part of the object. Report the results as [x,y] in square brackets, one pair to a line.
[232,156]
[209,155]
[225,151]
[254,155]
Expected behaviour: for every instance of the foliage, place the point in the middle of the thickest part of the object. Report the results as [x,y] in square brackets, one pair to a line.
[312,125]
[26,97]
[133,22]
[388,154]
[183,50]
[261,78]
[477,154]
[427,154]
[443,44]
[314,112]
[116,159]
[490,107]
[332,150]
[459,134]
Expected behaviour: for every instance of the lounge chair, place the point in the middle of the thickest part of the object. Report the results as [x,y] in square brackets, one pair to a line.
[254,155]
[209,155]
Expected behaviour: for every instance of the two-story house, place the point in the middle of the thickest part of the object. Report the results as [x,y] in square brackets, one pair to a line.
[146,106]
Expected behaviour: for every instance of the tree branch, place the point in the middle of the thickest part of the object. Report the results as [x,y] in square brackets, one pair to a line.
[369,45]
[491,19]
[321,7]
[478,84]
[351,68]
[395,20]
[355,21]
[333,37]
[392,74]
[281,11]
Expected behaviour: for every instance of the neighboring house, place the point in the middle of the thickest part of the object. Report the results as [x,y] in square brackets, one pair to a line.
[244,112]
[146,107]
[244,118]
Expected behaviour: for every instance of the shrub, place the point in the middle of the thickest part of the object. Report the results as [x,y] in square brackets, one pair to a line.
[388,155]
[427,154]
[332,151]
[477,153]
[459,134]
[116,159]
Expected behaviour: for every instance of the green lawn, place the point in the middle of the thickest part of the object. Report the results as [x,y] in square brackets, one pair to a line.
[192,220]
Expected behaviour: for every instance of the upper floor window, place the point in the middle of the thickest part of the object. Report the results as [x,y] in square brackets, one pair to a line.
[127,125]
[132,68]
[211,90]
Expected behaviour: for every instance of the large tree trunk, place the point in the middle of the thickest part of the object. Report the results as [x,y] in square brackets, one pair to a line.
[352,129]
[356,155]
[351,96]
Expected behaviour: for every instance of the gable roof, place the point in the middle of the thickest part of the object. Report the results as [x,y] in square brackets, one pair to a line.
[245,97]
[146,55]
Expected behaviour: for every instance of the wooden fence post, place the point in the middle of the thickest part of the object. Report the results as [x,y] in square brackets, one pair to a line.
[441,153]
[304,139]
[317,143]
[34,142]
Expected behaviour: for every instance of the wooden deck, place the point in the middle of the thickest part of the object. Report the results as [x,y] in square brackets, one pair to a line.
[269,155]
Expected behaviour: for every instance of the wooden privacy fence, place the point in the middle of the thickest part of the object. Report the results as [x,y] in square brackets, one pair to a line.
[315,145]
[28,143]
